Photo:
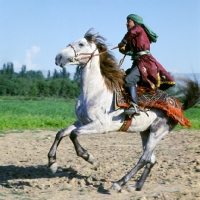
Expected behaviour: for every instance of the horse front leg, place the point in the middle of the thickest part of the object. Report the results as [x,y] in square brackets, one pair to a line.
[93,127]
[52,152]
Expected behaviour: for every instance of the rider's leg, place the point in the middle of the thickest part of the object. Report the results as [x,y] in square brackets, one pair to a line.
[131,79]
[134,106]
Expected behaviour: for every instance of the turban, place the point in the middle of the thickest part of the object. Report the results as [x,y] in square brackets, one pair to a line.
[139,21]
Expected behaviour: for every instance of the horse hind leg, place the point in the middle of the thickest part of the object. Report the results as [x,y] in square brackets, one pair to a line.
[152,162]
[158,130]
[144,176]
[149,166]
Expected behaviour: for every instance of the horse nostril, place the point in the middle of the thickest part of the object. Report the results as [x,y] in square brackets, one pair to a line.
[58,59]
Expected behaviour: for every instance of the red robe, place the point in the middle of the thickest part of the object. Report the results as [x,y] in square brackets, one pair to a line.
[151,70]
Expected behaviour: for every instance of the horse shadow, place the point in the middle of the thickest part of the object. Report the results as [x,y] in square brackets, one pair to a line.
[12,172]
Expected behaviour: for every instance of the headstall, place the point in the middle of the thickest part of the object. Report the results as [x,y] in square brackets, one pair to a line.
[90,55]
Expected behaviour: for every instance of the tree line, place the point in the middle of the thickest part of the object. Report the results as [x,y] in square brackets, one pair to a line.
[34,84]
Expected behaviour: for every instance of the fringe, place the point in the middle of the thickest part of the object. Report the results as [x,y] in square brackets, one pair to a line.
[176,113]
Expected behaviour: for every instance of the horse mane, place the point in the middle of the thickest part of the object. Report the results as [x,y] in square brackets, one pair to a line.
[113,75]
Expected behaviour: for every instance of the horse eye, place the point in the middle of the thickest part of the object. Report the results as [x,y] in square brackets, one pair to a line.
[81,44]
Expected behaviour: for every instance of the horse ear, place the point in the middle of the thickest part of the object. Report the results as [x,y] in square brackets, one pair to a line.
[94,37]
[89,32]
[90,36]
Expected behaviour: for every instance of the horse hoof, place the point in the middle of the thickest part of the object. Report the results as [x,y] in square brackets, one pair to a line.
[53,168]
[133,187]
[116,187]
[90,159]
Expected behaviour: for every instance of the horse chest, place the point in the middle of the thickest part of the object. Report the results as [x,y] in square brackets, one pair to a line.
[84,113]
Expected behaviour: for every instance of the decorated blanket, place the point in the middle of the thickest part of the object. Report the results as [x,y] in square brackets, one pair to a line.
[149,98]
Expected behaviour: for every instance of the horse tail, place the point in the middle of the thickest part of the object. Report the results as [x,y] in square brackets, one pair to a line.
[191,90]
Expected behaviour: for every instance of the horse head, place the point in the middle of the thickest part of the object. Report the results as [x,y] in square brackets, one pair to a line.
[78,52]
[84,50]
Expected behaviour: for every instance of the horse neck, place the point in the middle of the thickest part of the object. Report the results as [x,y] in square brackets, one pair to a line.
[92,81]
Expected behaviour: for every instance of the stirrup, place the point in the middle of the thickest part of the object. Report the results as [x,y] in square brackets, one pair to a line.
[132,110]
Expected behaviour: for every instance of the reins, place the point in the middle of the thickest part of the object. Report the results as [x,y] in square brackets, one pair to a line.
[90,55]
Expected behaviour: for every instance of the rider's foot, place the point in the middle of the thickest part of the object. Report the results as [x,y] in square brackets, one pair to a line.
[132,110]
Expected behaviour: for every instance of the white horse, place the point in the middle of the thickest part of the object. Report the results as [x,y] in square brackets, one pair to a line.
[100,76]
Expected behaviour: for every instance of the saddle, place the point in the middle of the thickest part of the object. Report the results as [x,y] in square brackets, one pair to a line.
[149,98]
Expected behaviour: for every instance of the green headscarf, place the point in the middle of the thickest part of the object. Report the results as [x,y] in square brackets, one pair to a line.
[138,20]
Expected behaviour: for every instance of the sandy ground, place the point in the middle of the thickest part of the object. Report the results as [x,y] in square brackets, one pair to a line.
[24,173]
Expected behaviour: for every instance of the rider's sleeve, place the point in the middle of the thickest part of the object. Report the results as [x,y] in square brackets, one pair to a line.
[134,32]
[122,43]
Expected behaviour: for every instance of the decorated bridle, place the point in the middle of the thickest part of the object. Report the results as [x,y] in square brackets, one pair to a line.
[87,55]
[90,55]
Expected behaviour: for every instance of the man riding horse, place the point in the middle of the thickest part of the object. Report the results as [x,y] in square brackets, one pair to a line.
[145,70]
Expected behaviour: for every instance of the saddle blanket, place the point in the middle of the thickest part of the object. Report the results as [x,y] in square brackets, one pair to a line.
[149,98]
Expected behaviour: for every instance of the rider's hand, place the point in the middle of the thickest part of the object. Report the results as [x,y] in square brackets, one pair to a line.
[122,43]
[122,49]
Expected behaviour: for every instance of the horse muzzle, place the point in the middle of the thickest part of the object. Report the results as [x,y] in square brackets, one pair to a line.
[58,59]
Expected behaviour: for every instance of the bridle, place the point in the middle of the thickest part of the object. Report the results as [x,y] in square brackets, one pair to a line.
[87,55]
[90,55]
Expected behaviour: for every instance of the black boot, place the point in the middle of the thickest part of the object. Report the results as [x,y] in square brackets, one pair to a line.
[134,106]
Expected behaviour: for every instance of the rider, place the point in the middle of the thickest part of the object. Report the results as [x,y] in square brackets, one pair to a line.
[145,69]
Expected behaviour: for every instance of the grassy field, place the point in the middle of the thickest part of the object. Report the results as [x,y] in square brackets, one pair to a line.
[36,114]
[193,114]
[21,114]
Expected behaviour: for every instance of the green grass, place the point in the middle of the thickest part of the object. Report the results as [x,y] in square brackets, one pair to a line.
[34,114]
[49,113]
[193,114]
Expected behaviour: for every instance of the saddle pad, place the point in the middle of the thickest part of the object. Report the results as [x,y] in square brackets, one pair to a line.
[149,98]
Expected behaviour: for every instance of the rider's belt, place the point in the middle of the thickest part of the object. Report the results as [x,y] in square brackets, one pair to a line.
[140,53]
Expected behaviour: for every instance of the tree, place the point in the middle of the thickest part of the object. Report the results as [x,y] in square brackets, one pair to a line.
[3,81]
[39,75]
[56,74]
[33,90]
[55,86]
[49,75]
[10,69]
[77,76]
[3,71]
[64,73]
[22,73]
[43,87]
[24,86]
[33,83]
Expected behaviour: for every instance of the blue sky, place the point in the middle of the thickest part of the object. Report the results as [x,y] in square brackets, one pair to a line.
[32,32]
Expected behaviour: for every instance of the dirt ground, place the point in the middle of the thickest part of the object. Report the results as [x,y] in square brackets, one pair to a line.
[24,174]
